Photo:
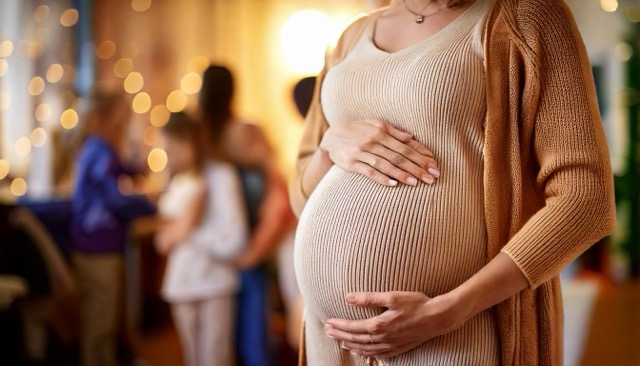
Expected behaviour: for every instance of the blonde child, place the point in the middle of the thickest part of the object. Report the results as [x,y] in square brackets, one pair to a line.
[203,228]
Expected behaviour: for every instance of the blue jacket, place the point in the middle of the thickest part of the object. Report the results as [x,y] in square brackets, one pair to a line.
[100,212]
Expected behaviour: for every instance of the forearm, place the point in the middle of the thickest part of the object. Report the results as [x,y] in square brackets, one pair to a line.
[499,280]
[318,166]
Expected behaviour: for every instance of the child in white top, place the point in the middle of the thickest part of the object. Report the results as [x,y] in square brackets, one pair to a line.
[203,228]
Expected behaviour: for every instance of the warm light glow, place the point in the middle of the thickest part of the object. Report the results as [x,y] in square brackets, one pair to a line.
[141,103]
[304,39]
[36,86]
[609,5]
[4,66]
[18,187]
[632,13]
[198,64]
[133,83]
[34,49]
[176,101]
[140,5]
[159,115]
[6,48]
[123,67]
[55,73]
[23,146]
[69,119]
[42,13]
[157,160]
[106,50]
[43,112]
[130,50]
[623,51]
[191,83]
[5,101]
[38,137]
[4,168]
[150,136]
[69,17]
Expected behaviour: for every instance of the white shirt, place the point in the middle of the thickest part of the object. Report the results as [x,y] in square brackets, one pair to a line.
[199,268]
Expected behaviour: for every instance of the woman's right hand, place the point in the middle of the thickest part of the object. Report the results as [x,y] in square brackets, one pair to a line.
[380,152]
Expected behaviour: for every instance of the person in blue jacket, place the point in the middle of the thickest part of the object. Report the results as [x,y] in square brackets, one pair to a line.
[101,214]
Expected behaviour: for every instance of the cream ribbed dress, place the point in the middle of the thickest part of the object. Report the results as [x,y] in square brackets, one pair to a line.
[357,235]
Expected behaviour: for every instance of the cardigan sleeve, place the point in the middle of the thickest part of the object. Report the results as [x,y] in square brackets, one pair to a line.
[569,145]
[315,122]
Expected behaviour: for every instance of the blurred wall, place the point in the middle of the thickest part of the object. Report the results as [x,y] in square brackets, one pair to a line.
[171,39]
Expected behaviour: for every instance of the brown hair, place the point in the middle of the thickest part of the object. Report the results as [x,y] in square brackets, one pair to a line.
[182,126]
[97,105]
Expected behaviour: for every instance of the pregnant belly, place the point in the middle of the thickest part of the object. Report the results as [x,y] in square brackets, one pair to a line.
[356,235]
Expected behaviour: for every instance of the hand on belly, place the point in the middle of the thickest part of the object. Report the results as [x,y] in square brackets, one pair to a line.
[410,319]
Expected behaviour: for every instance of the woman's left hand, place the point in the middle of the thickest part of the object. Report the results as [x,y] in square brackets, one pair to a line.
[411,319]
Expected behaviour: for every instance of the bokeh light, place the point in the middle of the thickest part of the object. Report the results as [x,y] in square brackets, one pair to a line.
[632,13]
[623,51]
[157,160]
[130,50]
[609,5]
[6,48]
[43,112]
[34,49]
[23,146]
[106,50]
[42,13]
[5,101]
[141,103]
[4,66]
[38,137]
[4,168]
[159,115]
[123,67]
[191,83]
[69,17]
[150,136]
[198,64]
[55,73]
[176,101]
[36,86]
[140,5]
[18,187]
[69,119]
[133,82]
[304,39]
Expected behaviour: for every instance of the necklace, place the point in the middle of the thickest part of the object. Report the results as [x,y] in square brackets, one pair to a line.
[421,17]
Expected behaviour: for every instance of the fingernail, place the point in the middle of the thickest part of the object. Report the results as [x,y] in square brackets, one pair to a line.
[412,181]
[343,346]
[427,179]
[328,326]
[435,172]
[393,182]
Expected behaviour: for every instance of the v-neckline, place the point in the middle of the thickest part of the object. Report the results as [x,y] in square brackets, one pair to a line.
[446,29]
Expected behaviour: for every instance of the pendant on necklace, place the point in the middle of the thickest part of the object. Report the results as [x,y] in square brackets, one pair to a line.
[419,19]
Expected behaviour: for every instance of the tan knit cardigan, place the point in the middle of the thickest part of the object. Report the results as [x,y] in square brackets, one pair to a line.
[547,177]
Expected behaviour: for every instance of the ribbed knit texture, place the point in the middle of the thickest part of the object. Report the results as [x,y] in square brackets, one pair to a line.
[548,186]
[356,235]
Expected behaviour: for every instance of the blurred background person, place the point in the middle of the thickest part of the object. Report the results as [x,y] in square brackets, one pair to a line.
[267,208]
[203,227]
[101,214]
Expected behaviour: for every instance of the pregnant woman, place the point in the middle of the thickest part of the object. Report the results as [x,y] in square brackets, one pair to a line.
[453,162]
